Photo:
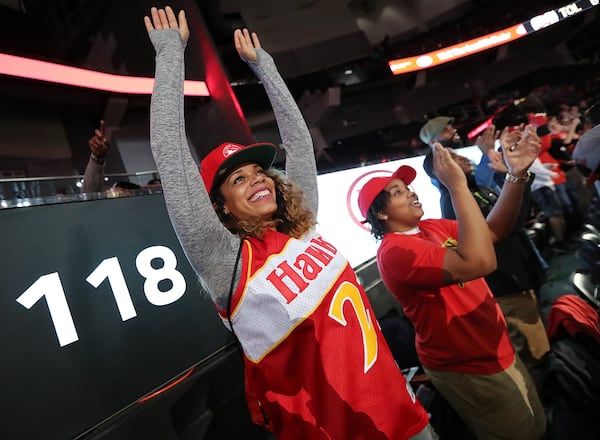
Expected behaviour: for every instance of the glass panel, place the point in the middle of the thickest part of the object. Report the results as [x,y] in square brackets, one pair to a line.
[22,192]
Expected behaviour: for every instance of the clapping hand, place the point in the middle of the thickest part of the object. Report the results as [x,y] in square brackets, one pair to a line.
[496,162]
[446,169]
[520,148]
[486,142]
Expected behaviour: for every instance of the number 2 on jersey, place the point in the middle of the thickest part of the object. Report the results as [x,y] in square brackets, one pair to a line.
[349,292]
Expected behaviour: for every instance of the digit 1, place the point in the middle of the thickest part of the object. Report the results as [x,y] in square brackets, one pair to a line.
[50,286]
[111,269]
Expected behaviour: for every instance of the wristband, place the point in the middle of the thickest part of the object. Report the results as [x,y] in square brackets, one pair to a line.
[98,160]
[516,179]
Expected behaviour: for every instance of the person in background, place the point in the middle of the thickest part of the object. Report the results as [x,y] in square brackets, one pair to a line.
[316,363]
[551,192]
[560,148]
[544,197]
[566,198]
[587,149]
[122,188]
[519,274]
[434,268]
[154,183]
[93,178]
[441,129]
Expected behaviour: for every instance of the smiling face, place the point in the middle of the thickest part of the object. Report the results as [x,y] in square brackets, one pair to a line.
[449,137]
[249,193]
[403,210]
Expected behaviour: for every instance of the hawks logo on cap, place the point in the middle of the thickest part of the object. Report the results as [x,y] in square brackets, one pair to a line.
[224,158]
[229,149]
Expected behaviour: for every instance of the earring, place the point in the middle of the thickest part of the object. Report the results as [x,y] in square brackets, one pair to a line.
[225,210]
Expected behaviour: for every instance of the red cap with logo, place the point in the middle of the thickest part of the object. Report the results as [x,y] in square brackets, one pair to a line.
[221,161]
[373,187]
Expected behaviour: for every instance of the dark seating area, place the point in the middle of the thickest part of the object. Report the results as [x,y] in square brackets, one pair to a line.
[573,271]
[586,276]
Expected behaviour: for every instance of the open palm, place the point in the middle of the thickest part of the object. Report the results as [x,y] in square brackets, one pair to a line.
[165,19]
[245,43]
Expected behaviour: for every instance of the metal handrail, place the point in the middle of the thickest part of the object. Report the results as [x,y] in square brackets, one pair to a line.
[45,178]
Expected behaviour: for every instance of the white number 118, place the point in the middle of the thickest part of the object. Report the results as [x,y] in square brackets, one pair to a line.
[50,287]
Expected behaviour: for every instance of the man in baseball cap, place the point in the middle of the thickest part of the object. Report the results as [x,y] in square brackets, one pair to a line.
[440,129]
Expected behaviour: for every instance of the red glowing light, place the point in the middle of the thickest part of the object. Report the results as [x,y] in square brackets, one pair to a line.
[74,76]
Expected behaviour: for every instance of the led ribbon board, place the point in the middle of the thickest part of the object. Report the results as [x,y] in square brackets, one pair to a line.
[73,76]
[476,45]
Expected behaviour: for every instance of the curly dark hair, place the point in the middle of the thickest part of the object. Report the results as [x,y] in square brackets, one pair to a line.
[378,227]
[292,216]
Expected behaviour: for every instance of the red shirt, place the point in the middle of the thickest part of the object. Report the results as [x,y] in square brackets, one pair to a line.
[315,357]
[459,327]
[546,158]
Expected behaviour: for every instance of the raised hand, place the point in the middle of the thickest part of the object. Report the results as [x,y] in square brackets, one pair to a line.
[165,19]
[446,169]
[496,162]
[487,140]
[99,143]
[520,148]
[246,43]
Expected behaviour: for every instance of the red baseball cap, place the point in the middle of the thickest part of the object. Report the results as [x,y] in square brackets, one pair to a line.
[373,187]
[226,157]
[537,119]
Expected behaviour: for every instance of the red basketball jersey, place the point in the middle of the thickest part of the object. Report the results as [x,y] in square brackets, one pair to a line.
[316,360]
